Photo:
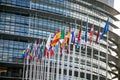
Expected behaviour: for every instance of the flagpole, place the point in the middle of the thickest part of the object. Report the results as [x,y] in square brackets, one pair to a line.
[30,76]
[79,61]
[27,63]
[54,60]
[40,72]
[91,43]
[62,65]
[48,67]
[74,52]
[44,68]
[45,73]
[107,56]
[99,59]
[63,55]
[58,57]
[80,53]
[23,70]
[68,60]
[38,69]
[85,58]
[92,61]
[34,62]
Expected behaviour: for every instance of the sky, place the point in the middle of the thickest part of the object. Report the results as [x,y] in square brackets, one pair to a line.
[117,7]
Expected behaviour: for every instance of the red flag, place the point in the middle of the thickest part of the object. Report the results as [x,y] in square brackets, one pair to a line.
[49,53]
[98,34]
[91,33]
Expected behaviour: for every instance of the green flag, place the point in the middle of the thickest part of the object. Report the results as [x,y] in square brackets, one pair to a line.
[42,48]
[62,34]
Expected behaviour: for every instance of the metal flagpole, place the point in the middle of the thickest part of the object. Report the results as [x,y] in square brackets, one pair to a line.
[99,60]
[34,62]
[92,60]
[48,67]
[62,65]
[52,65]
[27,64]
[107,55]
[85,58]
[73,68]
[68,59]
[23,70]
[45,67]
[34,69]
[80,52]
[38,69]
[31,66]
[30,76]
[51,62]
[58,57]
[62,61]
[41,76]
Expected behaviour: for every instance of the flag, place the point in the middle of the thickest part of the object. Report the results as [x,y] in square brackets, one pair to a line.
[55,38]
[38,50]
[78,36]
[26,52]
[72,38]
[48,49]
[62,35]
[91,33]
[31,53]
[42,48]
[105,29]
[23,54]
[34,50]
[73,33]
[86,30]
[98,34]
[62,41]
[48,42]
[67,37]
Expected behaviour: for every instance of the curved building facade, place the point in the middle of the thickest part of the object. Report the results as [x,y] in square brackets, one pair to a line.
[22,22]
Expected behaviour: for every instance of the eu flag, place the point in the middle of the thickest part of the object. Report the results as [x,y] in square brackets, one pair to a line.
[105,29]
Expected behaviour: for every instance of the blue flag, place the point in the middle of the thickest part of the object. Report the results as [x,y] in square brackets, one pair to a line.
[86,31]
[105,29]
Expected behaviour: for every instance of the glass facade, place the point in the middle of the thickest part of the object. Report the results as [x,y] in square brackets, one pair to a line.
[24,21]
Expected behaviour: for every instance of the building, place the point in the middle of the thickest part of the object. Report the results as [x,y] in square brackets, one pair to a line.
[24,21]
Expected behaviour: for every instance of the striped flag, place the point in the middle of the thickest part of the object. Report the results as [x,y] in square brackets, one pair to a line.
[98,34]
[78,36]
[56,38]
[91,33]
